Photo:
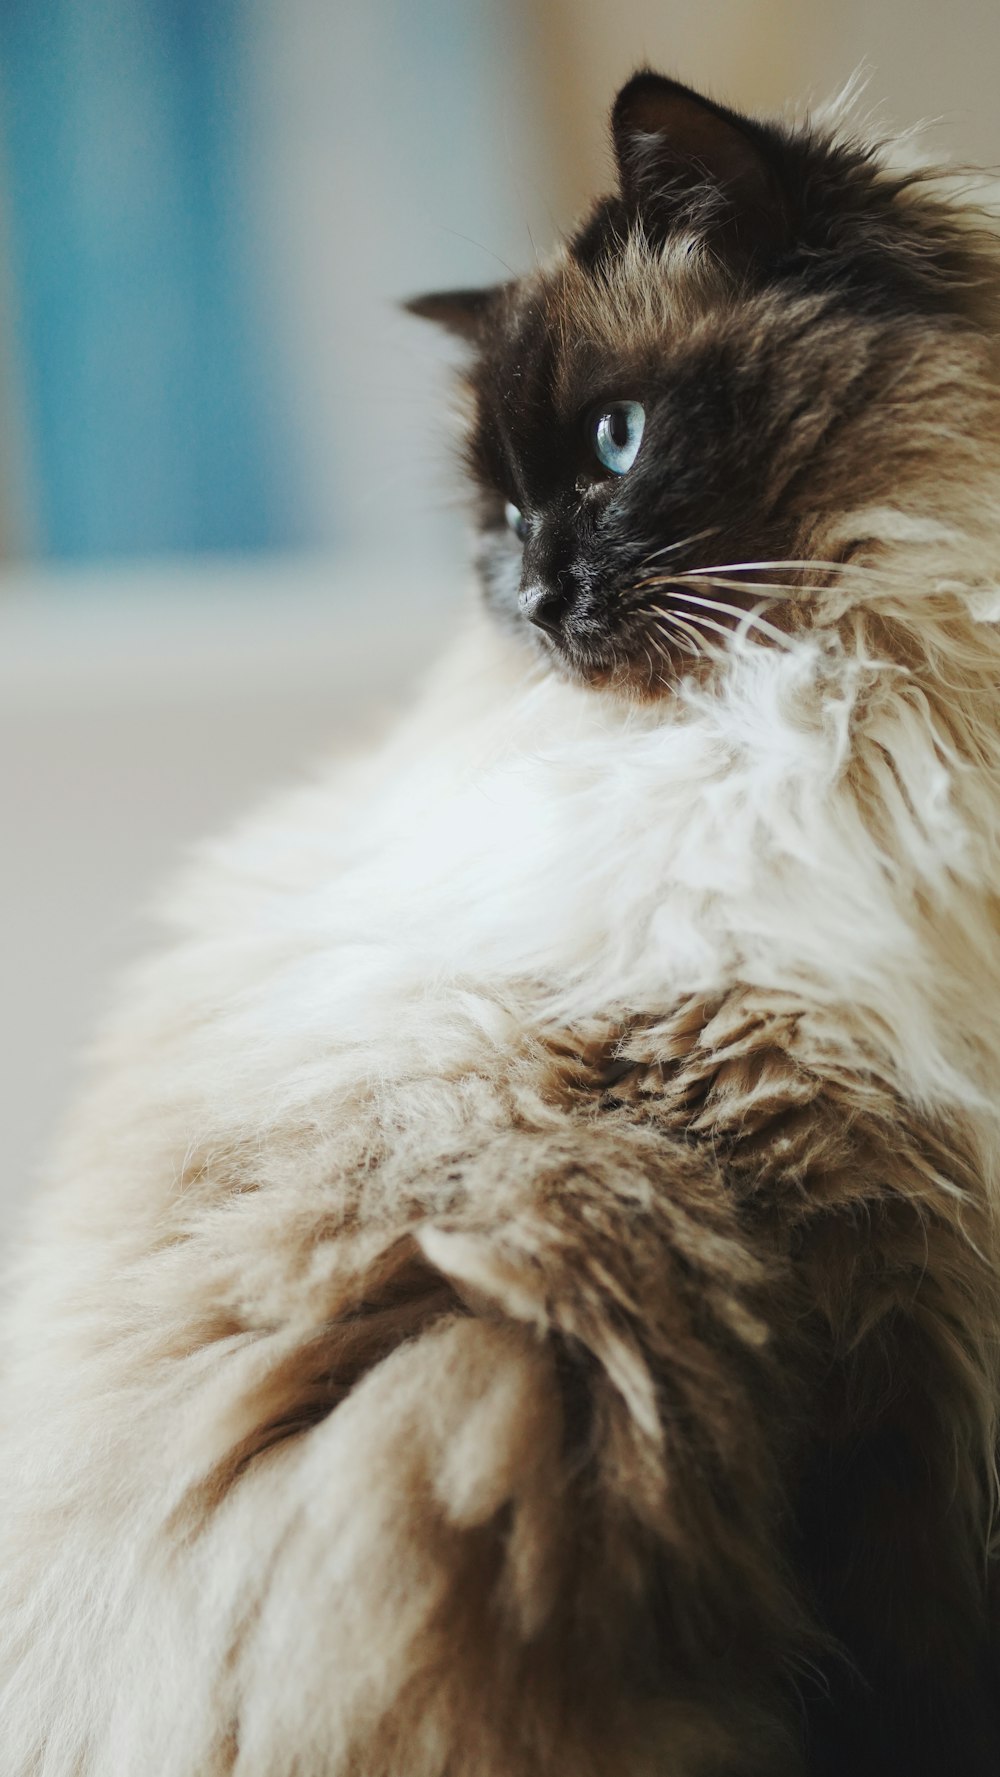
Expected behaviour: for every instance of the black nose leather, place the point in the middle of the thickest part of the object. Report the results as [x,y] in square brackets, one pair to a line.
[544,606]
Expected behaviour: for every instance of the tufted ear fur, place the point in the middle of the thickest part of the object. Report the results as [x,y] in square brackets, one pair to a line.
[683,160]
[461,312]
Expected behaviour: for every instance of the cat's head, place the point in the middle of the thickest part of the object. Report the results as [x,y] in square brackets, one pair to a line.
[762,336]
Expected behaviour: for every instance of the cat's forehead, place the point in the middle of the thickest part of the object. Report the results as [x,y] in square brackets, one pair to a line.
[568,327]
[637,294]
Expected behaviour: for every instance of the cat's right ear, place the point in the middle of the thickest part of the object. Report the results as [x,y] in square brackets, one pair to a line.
[461,312]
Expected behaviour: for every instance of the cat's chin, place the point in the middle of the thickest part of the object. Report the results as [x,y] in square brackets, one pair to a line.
[633,677]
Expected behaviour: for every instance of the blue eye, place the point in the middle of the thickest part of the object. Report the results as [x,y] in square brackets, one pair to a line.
[616,435]
[515,520]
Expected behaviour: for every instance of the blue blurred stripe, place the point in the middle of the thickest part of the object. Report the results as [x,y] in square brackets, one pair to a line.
[151,400]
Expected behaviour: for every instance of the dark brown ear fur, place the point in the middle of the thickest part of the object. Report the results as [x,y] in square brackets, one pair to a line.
[461,312]
[678,152]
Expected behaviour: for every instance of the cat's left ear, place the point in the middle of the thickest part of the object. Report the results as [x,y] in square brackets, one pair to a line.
[461,312]
[683,160]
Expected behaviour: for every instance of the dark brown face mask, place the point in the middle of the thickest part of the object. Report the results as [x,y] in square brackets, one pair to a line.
[668,415]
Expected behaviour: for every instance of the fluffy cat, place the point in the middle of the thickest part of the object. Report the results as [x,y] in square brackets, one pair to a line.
[520,1297]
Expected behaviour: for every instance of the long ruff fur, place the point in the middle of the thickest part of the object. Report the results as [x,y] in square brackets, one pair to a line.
[554,1168]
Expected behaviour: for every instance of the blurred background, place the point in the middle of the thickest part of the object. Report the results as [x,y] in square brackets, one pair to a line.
[229,531]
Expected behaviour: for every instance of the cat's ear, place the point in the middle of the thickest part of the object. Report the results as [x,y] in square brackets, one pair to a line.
[461,312]
[684,160]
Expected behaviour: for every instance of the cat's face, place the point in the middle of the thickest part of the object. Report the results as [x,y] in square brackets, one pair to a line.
[683,404]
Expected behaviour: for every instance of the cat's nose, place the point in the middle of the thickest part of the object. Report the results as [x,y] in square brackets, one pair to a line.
[545,606]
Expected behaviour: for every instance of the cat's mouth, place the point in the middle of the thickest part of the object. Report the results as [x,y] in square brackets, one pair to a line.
[637,660]
[648,635]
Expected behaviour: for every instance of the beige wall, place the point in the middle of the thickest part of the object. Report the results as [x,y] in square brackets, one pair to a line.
[923,60]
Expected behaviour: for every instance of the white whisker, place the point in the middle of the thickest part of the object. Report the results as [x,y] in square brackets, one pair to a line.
[682,543]
[683,636]
[697,641]
[747,624]
[748,619]
[698,618]
[773,588]
[757,589]
[792,565]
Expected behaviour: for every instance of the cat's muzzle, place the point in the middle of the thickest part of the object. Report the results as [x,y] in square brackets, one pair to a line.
[544,606]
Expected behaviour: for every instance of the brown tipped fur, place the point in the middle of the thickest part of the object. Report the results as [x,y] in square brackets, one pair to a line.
[522,1296]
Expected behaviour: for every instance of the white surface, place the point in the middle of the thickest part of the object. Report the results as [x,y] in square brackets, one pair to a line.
[141,709]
